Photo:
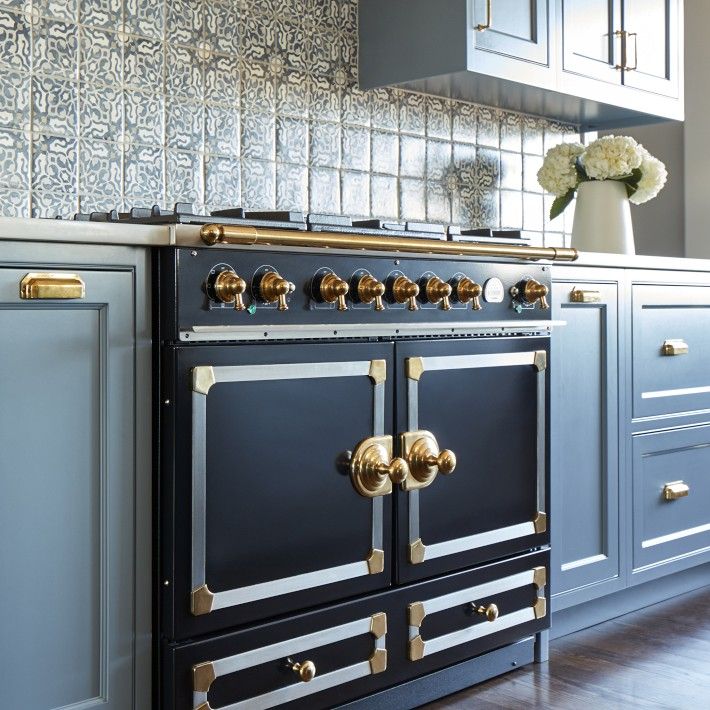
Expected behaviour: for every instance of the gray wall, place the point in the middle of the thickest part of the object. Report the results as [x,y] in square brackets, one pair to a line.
[108,103]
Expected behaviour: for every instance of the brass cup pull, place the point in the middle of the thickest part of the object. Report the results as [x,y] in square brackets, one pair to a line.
[229,287]
[369,289]
[578,295]
[306,671]
[273,288]
[373,470]
[674,347]
[405,291]
[334,289]
[424,458]
[52,285]
[535,291]
[490,611]
[438,291]
[468,290]
[675,490]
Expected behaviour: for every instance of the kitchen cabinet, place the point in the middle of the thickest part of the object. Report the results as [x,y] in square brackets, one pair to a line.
[595,63]
[75,482]
[585,444]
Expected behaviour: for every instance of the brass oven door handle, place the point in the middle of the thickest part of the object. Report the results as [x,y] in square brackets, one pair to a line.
[482,27]
[675,490]
[35,286]
[421,452]
[578,295]
[372,468]
[636,52]
[674,347]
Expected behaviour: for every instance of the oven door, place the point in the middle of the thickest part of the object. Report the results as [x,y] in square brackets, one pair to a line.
[477,407]
[268,514]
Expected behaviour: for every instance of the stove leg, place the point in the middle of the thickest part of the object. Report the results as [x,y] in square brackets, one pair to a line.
[542,647]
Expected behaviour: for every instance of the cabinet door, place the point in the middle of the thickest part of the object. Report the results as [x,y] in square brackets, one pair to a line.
[584,478]
[653,45]
[513,28]
[590,47]
[67,494]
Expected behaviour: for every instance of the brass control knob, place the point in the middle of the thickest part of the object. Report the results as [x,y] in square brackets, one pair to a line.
[424,458]
[405,291]
[490,611]
[369,289]
[438,291]
[306,671]
[468,290]
[273,288]
[532,291]
[333,288]
[373,470]
[229,287]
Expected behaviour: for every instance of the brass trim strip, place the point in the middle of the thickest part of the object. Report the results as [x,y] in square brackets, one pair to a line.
[203,675]
[417,612]
[540,608]
[540,360]
[378,661]
[204,706]
[539,577]
[540,523]
[235,234]
[417,551]
[376,561]
[416,648]
[201,601]
[203,378]
[378,624]
[378,371]
[415,368]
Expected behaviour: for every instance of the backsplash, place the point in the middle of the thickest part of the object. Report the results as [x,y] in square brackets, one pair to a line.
[111,103]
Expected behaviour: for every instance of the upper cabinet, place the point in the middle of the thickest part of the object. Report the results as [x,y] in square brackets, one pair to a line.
[595,63]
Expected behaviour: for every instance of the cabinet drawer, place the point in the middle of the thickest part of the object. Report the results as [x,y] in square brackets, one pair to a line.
[671,493]
[671,346]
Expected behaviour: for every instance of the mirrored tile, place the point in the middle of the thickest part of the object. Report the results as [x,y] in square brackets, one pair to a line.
[258,135]
[533,212]
[356,107]
[438,203]
[412,114]
[464,156]
[14,5]
[438,159]
[325,99]
[184,124]
[222,79]
[511,130]
[258,88]
[222,180]
[55,105]
[533,132]
[55,48]
[100,168]
[143,64]
[222,131]
[101,57]
[384,193]
[511,171]
[291,140]
[14,203]
[99,203]
[356,148]
[65,10]
[324,190]
[183,176]
[54,163]
[412,157]
[554,134]
[144,173]
[464,123]
[291,187]
[221,26]
[487,210]
[14,41]
[184,76]
[325,149]
[511,209]
[15,100]
[355,193]
[385,153]
[54,204]
[555,239]
[144,112]
[258,35]
[438,118]
[101,13]
[145,18]
[412,199]
[14,159]
[486,173]
[488,122]
[183,22]
[384,108]
[258,184]
[292,94]
[531,166]
[101,113]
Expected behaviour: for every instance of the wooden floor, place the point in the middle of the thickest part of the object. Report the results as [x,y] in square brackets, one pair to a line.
[658,657]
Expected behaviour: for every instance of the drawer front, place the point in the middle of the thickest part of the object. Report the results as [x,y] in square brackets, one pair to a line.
[671,346]
[671,493]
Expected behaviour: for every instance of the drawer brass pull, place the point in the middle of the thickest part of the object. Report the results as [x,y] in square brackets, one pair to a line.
[579,295]
[52,285]
[674,347]
[306,671]
[490,611]
[676,489]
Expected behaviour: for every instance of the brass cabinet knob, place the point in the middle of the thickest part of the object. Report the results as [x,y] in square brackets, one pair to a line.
[333,288]
[373,470]
[273,288]
[369,289]
[489,610]
[229,287]
[306,671]
[438,291]
[469,291]
[675,490]
[424,458]
[405,291]
[535,291]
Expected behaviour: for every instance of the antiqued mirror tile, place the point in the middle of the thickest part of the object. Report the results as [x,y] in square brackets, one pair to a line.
[531,166]
[533,130]
[292,94]
[355,193]
[184,76]
[65,10]
[258,135]
[438,118]
[356,107]
[511,130]
[14,203]
[15,100]
[487,169]
[145,18]
[258,35]
[54,105]
[384,108]
[412,157]
[325,99]
[101,57]
[511,171]
[438,203]
[54,163]
[101,113]
[184,176]
[385,152]
[258,184]
[511,209]
[106,14]
[144,117]
[14,41]
[464,123]
[258,87]
[533,212]
[324,190]
[53,204]
[222,131]
[183,22]
[89,203]
[412,199]
[291,140]
[291,187]
[16,6]
[144,173]
[55,48]
[488,122]
[143,62]
[356,148]
[222,79]
[221,23]
[438,159]
[412,114]
[384,196]
[14,159]
[100,168]
[184,124]
[325,148]
[222,181]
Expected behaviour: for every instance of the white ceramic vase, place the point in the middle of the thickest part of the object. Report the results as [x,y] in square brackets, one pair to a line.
[602,218]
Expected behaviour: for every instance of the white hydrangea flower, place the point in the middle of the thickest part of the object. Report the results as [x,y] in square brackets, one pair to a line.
[558,173]
[653,178]
[611,157]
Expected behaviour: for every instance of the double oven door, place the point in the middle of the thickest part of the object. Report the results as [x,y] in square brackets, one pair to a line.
[283,481]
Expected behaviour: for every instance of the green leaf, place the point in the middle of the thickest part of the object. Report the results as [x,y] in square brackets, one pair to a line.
[630,189]
[560,203]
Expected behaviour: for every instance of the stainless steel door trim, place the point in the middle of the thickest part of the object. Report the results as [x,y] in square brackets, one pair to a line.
[657,394]
[203,599]
[489,537]
[292,647]
[678,535]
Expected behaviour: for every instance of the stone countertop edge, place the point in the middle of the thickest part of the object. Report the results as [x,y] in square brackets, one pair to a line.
[637,261]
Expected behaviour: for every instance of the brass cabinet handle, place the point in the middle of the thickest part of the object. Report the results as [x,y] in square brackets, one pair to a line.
[674,490]
[421,452]
[674,347]
[489,18]
[578,295]
[373,470]
[52,285]
[306,671]
[636,52]
[490,611]
[624,35]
